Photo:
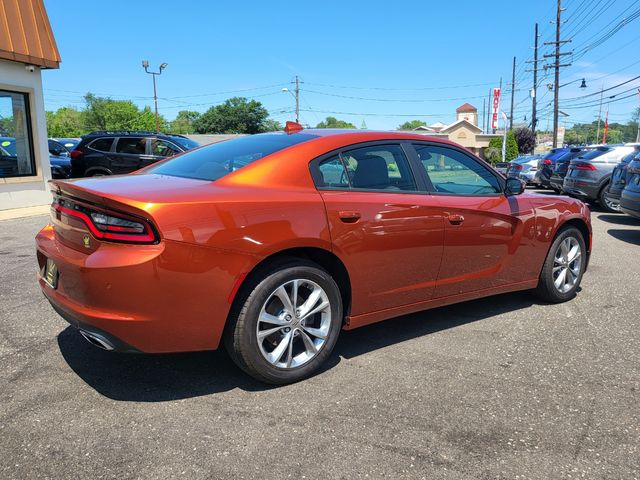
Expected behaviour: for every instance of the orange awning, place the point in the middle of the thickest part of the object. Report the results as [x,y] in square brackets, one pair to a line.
[25,34]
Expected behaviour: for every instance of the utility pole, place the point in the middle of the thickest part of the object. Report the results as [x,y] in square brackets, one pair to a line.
[297,101]
[599,114]
[557,65]
[534,90]
[513,92]
[535,82]
[638,134]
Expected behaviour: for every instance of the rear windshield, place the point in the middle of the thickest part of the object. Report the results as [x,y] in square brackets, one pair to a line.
[215,161]
[591,154]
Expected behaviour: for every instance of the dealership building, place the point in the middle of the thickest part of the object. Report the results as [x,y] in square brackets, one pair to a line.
[464,131]
[27,47]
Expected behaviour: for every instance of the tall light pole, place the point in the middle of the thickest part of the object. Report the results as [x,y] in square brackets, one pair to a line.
[145,65]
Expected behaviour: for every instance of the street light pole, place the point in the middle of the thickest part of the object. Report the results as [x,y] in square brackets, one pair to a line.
[145,65]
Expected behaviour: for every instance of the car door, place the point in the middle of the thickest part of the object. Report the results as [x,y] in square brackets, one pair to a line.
[382,225]
[488,235]
[159,149]
[127,155]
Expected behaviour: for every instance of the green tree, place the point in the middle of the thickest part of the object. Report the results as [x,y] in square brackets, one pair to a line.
[106,114]
[526,140]
[412,125]
[183,123]
[235,115]
[271,125]
[65,122]
[332,122]
[511,151]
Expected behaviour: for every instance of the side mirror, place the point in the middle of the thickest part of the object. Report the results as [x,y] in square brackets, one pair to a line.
[514,186]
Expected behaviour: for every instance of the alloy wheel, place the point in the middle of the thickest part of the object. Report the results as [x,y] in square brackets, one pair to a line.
[567,264]
[294,323]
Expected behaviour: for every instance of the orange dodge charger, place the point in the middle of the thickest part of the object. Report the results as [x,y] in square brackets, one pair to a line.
[273,243]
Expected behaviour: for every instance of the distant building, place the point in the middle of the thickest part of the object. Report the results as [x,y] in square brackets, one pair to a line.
[464,131]
[27,47]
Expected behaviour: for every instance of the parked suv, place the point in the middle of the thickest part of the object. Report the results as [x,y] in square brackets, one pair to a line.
[630,197]
[589,175]
[620,178]
[112,153]
[544,169]
[562,166]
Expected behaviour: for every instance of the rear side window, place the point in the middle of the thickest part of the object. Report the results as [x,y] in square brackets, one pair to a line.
[333,173]
[131,145]
[215,161]
[383,167]
[102,144]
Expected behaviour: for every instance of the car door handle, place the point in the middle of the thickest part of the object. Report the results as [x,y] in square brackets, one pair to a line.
[455,219]
[348,216]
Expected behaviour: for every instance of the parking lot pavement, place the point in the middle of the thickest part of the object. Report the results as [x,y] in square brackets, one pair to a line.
[504,387]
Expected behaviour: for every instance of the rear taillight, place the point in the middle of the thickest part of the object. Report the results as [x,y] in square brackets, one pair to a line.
[75,153]
[547,162]
[106,224]
[583,166]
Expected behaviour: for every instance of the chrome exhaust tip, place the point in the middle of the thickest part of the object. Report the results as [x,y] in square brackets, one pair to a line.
[96,340]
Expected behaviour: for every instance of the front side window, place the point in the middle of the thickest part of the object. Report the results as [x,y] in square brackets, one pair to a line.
[131,145]
[16,151]
[380,167]
[160,148]
[453,172]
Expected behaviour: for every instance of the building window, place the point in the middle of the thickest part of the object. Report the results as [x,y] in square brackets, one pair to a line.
[16,146]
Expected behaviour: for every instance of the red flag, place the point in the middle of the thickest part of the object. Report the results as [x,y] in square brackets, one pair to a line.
[606,128]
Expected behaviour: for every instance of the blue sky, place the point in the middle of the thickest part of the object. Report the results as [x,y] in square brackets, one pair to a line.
[378,62]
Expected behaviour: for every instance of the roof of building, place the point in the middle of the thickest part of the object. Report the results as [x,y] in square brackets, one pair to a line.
[461,122]
[467,107]
[26,35]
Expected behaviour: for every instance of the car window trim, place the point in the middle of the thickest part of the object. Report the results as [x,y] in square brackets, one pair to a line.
[501,181]
[404,145]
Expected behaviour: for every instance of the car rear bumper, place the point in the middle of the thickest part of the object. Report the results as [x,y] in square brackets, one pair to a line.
[581,189]
[169,297]
[556,182]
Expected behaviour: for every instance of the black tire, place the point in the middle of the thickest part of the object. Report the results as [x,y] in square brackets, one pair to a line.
[241,339]
[546,289]
[603,201]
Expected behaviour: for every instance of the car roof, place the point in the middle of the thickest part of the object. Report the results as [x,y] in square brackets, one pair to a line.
[129,133]
[356,136]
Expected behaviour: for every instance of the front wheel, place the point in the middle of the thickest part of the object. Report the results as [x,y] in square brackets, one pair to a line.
[288,323]
[563,268]
[608,205]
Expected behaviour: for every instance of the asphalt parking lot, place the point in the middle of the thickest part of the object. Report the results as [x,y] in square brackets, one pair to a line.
[504,387]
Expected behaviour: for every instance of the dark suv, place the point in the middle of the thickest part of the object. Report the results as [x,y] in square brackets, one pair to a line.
[620,177]
[562,166]
[545,167]
[630,198]
[112,153]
